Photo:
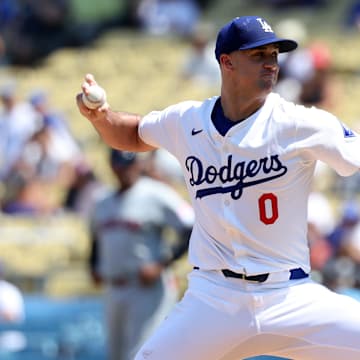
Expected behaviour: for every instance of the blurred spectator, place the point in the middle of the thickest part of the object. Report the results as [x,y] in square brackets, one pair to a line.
[12,311]
[352,17]
[18,123]
[38,28]
[51,153]
[45,163]
[9,10]
[85,191]
[350,217]
[30,30]
[350,243]
[162,17]
[317,89]
[321,221]
[294,66]
[130,16]
[29,196]
[306,75]
[131,254]
[54,152]
[200,65]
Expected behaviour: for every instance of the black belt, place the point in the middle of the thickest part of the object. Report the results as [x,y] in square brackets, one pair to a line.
[294,274]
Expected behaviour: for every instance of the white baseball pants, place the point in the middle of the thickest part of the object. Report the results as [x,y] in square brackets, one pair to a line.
[231,319]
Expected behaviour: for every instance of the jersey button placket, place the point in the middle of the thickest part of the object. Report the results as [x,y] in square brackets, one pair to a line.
[226,201]
[225,156]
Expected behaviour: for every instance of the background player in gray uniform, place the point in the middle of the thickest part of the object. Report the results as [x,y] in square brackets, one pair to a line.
[248,158]
[131,256]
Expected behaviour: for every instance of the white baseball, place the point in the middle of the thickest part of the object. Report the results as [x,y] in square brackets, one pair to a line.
[95,98]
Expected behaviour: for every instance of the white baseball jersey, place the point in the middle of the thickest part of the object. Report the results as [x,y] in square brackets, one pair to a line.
[250,187]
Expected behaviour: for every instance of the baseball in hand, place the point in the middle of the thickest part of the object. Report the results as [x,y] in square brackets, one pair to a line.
[95,98]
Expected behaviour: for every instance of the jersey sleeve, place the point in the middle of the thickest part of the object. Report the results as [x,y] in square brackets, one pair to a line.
[160,128]
[322,136]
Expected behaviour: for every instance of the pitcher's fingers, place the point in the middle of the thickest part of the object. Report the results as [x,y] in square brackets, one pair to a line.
[83,109]
[85,87]
[90,79]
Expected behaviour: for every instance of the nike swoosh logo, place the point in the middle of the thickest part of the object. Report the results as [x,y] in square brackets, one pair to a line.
[194,132]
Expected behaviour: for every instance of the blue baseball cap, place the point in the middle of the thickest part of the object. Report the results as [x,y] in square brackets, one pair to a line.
[248,32]
[122,158]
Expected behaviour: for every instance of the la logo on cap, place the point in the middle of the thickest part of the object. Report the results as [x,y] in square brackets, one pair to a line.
[265,26]
[249,32]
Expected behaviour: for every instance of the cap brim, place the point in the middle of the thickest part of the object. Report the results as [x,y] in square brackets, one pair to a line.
[285,45]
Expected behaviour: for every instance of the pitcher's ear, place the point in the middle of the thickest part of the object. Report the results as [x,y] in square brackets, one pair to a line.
[225,60]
